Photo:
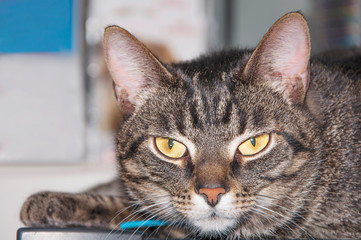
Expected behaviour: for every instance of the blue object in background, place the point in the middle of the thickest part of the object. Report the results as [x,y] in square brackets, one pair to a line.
[36,26]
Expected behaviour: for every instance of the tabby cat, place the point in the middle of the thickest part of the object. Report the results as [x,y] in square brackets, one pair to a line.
[235,144]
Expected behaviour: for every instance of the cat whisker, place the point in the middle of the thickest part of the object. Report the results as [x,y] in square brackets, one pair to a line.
[143,210]
[122,211]
[178,224]
[117,214]
[154,215]
[133,216]
[147,201]
[164,217]
[286,209]
[269,218]
[289,220]
[287,197]
[265,196]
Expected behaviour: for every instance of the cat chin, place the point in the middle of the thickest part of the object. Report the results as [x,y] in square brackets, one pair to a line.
[214,225]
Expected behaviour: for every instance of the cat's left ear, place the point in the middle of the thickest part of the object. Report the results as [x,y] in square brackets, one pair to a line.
[132,65]
[281,60]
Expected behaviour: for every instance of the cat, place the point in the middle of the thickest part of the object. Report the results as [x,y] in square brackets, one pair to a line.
[234,144]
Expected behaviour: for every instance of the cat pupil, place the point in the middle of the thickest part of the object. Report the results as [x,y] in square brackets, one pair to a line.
[170,143]
[253,141]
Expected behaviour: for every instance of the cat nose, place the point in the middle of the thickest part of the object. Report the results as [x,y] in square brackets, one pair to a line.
[212,194]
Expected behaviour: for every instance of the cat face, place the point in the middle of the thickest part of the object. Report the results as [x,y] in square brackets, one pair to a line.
[222,143]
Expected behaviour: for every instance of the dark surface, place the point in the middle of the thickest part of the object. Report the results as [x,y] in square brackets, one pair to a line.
[75,234]
[30,233]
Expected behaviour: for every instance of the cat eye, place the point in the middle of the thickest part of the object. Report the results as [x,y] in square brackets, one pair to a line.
[170,147]
[254,145]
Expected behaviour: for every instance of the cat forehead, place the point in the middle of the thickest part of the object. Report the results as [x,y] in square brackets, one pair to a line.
[205,115]
[209,97]
[215,67]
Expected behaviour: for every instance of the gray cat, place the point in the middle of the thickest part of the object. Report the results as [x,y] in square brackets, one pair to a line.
[235,144]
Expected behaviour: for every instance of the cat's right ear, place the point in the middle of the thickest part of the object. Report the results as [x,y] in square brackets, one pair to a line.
[132,66]
[281,59]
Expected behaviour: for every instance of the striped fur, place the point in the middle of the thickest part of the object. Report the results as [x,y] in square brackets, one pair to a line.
[304,184]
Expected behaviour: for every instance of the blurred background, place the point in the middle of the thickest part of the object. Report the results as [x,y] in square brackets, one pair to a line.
[57,110]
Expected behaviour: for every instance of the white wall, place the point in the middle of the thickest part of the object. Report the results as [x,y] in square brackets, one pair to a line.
[254,18]
[42,116]
[178,24]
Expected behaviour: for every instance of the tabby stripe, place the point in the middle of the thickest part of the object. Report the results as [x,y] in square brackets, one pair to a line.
[206,108]
[133,148]
[111,198]
[193,112]
[227,115]
[136,179]
[235,167]
[241,121]
[295,144]
[257,117]
[164,121]
[216,100]
[179,121]
[101,198]
[28,210]
[189,91]
[189,169]
[93,197]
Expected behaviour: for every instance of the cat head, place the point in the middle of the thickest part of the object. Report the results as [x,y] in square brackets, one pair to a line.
[222,142]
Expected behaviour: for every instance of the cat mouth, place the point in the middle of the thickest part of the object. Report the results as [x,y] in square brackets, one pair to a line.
[213,216]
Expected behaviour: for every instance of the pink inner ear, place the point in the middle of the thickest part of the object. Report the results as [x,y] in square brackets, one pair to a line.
[295,67]
[124,67]
[133,67]
[296,56]
[125,81]
[284,56]
[305,78]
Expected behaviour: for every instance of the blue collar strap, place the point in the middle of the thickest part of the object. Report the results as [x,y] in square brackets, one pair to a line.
[143,223]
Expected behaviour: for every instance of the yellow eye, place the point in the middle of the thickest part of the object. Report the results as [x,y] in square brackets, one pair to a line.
[254,145]
[170,147]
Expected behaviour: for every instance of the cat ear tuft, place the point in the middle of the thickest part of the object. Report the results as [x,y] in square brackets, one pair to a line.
[281,59]
[132,66]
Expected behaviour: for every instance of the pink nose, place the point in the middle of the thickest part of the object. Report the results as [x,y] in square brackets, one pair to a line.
[212,194]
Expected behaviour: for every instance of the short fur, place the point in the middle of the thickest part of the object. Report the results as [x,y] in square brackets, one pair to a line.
[304,184]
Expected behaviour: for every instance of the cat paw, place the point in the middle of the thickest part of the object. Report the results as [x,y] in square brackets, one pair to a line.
[47,209]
